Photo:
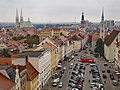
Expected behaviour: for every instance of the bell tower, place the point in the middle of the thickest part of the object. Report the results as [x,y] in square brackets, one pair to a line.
[102,26]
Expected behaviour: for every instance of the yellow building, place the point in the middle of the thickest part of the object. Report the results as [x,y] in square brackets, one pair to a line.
[47,32]
[32,77]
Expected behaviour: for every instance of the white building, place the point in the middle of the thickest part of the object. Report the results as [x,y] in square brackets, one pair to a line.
[40,60]
[109,45]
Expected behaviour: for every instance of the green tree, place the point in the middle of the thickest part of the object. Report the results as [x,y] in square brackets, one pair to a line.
[99,47]
[34,39]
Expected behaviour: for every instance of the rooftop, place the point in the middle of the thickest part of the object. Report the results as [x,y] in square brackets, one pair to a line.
[31,54]
[31,72]
[27,23]
[5,83]
[11,72]
[111,37]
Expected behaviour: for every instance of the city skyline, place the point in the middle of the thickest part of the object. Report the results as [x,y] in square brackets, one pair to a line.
[59,10]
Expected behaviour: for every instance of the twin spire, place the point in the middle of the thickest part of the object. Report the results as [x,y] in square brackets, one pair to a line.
[19,23]
[17,17]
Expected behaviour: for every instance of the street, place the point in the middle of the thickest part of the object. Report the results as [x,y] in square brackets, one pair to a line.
[87,76]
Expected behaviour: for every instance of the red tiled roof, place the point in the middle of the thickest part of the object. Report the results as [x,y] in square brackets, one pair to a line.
[31,72]
[95,36]
[5,83]
[5,61]
[48,45]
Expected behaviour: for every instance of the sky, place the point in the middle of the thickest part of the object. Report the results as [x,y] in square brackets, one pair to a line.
[59,10]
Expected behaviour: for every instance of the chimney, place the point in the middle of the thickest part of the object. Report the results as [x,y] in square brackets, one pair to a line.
[26,59]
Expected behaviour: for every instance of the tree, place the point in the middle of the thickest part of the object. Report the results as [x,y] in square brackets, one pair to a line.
[34,39]
[99,47]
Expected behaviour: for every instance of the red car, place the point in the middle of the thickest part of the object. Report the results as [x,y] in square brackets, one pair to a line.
[87,59]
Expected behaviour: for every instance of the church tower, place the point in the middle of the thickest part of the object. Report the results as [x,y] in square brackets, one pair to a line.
[82,20]
[21,20]
[102,27]
[17,19]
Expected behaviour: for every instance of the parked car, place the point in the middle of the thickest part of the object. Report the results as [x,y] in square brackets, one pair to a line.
[111,77]
[76,54]
[71,84]
[115,82]
[60,85]
[72,81]
[105,64]
[55,82]
[103,71]
[92,85]
[104,76]
[108,71]
[64,68]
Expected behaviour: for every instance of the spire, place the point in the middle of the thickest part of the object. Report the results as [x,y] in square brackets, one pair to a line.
[16,12]
[17,19]
[21,13]
[102,18]
[82,19]
[21,19]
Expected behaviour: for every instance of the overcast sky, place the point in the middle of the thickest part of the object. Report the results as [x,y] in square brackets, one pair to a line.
[59,10]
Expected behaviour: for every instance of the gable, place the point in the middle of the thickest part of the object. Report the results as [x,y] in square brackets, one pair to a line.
[111,37]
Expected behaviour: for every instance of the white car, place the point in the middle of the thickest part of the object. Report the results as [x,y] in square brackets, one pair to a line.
[64,68]
[60,84]
[71,64]
[59,66]
[72,56]
[75,89]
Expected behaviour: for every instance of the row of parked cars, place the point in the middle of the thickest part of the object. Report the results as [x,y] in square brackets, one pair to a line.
[58,75]
[96,82]
[76,80]
[114,81]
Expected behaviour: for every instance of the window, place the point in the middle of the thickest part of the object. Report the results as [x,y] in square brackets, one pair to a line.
[102,31]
